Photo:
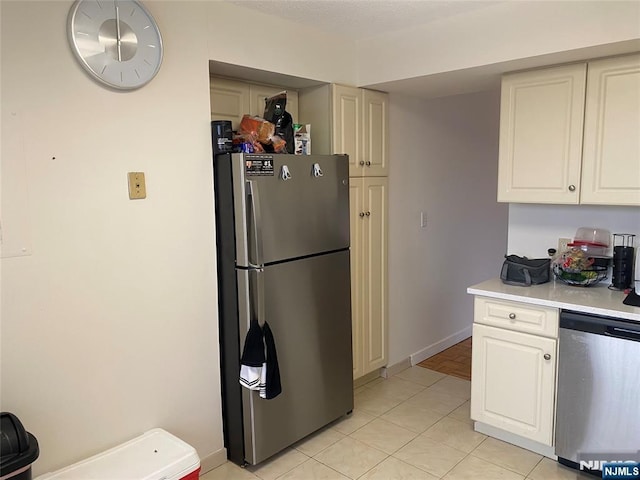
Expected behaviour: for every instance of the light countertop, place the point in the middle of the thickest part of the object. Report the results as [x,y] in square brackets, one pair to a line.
[596,299]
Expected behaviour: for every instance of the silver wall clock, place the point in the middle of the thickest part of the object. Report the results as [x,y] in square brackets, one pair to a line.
[117,41]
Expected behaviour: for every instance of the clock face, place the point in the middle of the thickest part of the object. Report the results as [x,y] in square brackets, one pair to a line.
[116,41]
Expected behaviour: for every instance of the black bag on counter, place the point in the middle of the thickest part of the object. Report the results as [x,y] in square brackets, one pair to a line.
[525,272]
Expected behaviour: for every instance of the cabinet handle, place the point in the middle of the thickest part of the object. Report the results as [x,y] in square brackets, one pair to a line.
[368,164]
[572,188]
[512,316]
[361,214]
[361,162]
[547,356]
[368,214]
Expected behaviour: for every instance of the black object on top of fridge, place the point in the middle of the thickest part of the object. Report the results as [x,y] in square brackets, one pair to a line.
[283,258]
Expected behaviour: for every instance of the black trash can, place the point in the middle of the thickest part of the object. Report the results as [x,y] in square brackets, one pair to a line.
[18,449]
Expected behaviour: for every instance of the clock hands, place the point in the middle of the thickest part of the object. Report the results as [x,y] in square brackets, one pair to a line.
[118,35]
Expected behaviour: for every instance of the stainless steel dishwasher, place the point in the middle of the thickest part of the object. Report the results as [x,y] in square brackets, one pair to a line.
[598,401]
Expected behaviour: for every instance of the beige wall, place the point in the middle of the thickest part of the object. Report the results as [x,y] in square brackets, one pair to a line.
[535,228]
[244,37]
[445,164]
[109,326]
[109,316]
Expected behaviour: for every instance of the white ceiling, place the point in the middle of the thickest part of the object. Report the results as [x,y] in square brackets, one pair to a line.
[360,19]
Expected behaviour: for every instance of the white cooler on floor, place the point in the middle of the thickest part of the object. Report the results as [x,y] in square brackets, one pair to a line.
[155,455]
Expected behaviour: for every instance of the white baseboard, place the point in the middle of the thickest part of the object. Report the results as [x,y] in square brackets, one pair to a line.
[369,377]
[213,460]
[391,370]
[440,346]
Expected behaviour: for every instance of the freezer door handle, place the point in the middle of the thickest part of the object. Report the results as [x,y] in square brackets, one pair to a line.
[256,225]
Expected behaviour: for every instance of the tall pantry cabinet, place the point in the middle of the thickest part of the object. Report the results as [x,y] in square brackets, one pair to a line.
[360,129]
[369,210]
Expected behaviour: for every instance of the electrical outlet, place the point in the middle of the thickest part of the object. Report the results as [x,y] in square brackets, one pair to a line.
[137,186]
[563,244]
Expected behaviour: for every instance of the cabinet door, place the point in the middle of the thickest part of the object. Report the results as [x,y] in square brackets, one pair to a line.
[512,382]
[356,197]
[374,280]
[258,94]
[346,127]
[541,120]
[376,124]
[229,100]
[611,159]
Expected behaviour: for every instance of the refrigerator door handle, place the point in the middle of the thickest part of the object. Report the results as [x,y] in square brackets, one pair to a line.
[256,225]
[257,292]
[256,295]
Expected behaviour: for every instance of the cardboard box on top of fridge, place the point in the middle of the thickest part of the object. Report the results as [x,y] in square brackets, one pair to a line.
[155,455]
[302,139]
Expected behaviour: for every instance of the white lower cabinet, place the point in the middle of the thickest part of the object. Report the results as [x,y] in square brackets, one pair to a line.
[513,374]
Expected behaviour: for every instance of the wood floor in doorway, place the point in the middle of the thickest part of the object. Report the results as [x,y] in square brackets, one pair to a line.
[454,360]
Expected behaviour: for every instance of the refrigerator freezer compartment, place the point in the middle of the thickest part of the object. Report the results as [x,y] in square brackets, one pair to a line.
[302,215]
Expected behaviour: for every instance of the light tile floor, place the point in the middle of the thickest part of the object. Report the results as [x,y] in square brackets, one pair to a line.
[412,426]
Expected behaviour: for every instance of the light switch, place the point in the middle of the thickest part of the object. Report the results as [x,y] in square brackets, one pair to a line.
[423,219]
[137,187]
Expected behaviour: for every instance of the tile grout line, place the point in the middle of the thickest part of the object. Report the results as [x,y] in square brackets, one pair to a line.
[444,416]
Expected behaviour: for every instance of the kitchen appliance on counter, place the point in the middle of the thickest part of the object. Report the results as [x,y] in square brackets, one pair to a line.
[282,225]
[593,241]
[597,414]
[623,260]
[585,262]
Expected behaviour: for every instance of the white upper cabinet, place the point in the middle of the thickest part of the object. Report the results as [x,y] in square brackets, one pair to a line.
[611,155]
[376,124]
[347,125]
[541,120]
[360,129]
[571,134]
[231,99]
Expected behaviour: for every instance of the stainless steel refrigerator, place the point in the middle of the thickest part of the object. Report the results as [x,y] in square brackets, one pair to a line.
[282,235]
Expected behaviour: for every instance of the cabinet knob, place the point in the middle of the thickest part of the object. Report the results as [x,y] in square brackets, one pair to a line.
[572,188]
[512,316]
[368,214]
[361,214]
[361,162]
[547,356]
[368,164]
